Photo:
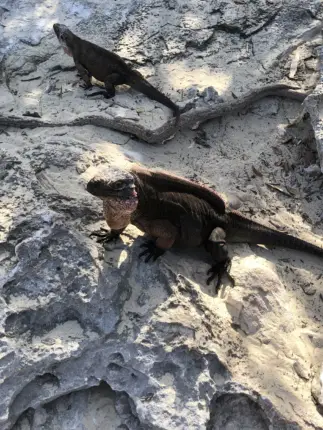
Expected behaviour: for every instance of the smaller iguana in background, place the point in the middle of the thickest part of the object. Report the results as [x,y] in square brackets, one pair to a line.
[107,67]
[179,213]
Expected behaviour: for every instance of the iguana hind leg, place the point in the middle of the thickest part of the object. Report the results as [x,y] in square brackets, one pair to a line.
[217,247]
[110,83]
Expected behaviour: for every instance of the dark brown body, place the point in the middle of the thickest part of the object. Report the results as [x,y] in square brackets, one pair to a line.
[107,67]
[179,213]
[173,211]
[99,62]
[192,212]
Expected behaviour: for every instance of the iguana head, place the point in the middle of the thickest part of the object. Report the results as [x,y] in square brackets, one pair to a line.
[113,183]
[65,37]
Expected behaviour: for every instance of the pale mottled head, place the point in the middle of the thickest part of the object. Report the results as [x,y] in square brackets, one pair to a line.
[65,37]
[113,183]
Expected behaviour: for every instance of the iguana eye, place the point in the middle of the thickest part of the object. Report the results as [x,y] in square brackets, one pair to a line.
[118,185]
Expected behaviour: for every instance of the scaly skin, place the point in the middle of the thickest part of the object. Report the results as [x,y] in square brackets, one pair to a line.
[107,67]
[180,213]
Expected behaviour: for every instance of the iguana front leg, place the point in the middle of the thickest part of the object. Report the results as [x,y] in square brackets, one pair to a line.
[217,247]
[117,224]
[84,73]
[164,232]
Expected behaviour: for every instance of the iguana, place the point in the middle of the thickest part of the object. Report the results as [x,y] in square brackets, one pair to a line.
[179,213]
[107,67]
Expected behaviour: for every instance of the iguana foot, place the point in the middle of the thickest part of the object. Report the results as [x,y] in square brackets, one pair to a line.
[85,86]
[104,236]
[152,251]
[219,270]
[98,93]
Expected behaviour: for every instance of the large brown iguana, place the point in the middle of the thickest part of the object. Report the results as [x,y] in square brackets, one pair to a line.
[179,213]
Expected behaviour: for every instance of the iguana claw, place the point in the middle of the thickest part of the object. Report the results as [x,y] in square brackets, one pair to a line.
[152,251]
[104,236]
[85,86]
[219,270]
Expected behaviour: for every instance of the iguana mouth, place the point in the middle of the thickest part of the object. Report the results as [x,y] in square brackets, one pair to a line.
[122,191]
[128,193]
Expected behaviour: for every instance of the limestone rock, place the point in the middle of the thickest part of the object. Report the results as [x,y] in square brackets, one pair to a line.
[94,338]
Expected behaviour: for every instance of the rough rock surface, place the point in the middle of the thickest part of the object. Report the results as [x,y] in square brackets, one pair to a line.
[92,339]
[314,106]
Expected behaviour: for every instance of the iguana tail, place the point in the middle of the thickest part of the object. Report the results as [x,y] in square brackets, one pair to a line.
[139,83]
[242,229]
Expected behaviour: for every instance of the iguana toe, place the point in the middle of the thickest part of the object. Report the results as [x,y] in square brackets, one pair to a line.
[151,251]
[85,86]
[104,236]
[220,269]
[102,232]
